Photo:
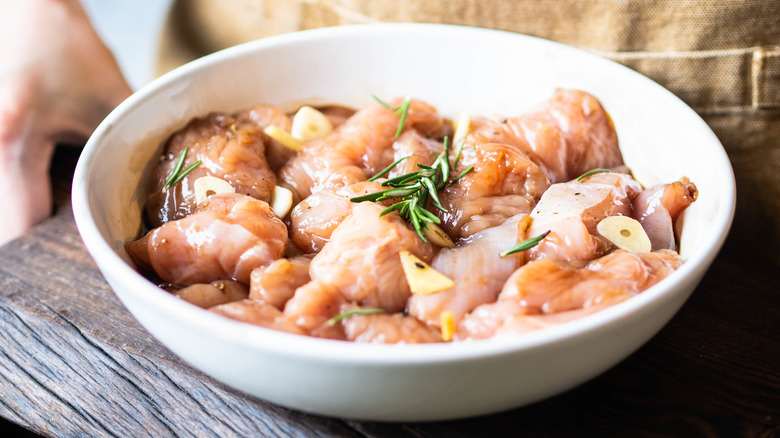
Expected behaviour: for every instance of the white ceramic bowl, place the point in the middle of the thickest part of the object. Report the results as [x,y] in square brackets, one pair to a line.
[454,68]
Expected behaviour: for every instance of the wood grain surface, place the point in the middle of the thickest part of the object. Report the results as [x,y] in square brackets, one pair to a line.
[73,362]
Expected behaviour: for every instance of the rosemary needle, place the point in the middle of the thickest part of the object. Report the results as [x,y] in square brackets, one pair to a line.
[353,312]
[178,174]
[388,168]
[525,244]
[591,172]
[416,189]
[401,111]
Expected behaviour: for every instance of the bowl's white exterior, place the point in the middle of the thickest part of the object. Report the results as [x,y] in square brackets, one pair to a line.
[454,68]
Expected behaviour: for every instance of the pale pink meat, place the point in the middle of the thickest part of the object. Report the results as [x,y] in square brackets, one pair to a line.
[546,288]
[228,148]
[315,218]
[567,135]
[420,150]
[227,237]
[263,116]
[571,211]
[361,265]
[503,183]
[276,283]
[658,207]
[218,292]
[477,270]
[389,329]
[257,313]
[359,148]
[313,304]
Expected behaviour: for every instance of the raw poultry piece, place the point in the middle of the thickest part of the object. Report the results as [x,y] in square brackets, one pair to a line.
[544,292]
[568,135]
[359,148]
[257,313]
[276,283]
[504,182]
[476,267]
[571,211]
[227,148]
[658,207]
[227,237]
[314,219]
[360,265]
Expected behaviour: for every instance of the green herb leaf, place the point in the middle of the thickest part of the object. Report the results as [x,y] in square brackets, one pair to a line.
[178,174]
[389,168]
[336,319]
[401,111]
[525,244]
[591,172]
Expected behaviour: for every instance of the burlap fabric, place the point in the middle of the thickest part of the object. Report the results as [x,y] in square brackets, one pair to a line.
[722,57]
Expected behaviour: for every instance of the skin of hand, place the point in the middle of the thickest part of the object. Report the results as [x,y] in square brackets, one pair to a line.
[57,82]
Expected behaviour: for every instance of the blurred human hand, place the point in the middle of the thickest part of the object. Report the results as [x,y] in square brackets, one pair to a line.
[57,82]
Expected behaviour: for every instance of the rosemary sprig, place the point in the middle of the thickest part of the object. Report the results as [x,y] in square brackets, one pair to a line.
[388,168]
[401,111]
[336,319]
[591,172]
[525,244]
[178,174]
[416,189]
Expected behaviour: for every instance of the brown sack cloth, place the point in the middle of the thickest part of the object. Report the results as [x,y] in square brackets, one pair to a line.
[721,57]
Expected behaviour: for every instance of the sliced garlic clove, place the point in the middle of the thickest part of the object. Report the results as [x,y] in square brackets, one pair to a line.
[625,232]
[308,124]
[206,186]
[447,320]
[281,201]
[462,128]
[284,137]
[437,236]
[422,278]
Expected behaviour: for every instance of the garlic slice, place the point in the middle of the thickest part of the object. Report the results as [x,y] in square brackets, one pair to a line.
[626,233]
[462,128]
[284,137]
[206,186]
[437,236]
[447,320]
[281,201]
[422,278]
[308,124]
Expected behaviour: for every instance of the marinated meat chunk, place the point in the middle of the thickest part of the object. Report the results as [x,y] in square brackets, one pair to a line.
[658,207]
[477,269]
[257,313]
[360,264]
[544,287]
[418,148]
[389,329]
[212,294]
[264,115]
[571,211]
[361,147]
[567,135]
[276,283]
[227,148]
[503,183]
[227,237]
[315,218]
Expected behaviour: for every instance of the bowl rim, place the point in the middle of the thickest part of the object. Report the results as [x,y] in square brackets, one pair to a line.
[264,339]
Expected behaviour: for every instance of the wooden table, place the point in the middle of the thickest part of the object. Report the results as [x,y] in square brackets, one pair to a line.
[74,362]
